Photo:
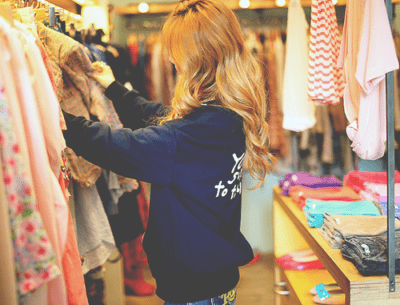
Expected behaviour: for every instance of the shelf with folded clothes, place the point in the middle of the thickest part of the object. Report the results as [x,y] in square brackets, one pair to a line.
[358,288]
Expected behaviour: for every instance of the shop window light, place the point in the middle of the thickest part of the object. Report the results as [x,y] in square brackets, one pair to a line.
[280,3]
[143,7]
[244,3]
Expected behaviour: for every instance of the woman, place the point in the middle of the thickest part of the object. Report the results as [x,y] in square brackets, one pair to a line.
[194,155]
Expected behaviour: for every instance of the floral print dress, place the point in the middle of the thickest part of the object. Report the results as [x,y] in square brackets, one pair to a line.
[33,253]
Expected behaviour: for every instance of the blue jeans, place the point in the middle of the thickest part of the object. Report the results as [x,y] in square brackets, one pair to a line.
[228,298]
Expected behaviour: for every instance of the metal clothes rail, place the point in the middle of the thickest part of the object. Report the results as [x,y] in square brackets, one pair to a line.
[390,168]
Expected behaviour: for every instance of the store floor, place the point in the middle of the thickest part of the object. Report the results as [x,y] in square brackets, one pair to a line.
[254,288]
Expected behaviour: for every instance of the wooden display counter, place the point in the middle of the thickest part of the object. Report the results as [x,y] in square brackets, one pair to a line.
[292,233]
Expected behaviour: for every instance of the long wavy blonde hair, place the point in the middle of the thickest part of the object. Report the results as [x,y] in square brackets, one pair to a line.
[205,42]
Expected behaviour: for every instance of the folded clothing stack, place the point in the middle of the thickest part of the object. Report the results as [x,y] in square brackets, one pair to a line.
[315,209]
[369,253]
[308,180]
[384,208]
[379,191]
[300,260]
[299,194]
[357,179]
[337,228]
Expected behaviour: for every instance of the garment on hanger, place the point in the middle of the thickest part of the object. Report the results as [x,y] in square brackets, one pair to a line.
[324,128]
[367,54]
[325,78]
[298,110]
[80,95]
[339,120]
[94,235]
[8,285]
[45,184]
[71,263]
[279,52]
[124,217]
[34,257]
[74,94]
[49,110]
[277,134]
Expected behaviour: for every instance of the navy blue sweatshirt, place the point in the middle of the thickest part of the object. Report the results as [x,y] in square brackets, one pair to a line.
[193,241]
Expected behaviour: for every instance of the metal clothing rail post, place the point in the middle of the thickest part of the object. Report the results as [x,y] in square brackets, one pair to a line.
[390,169]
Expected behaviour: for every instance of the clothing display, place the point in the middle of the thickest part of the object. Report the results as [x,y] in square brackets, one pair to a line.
[301,193]
[315,209]
[336,228]
[357,179]
[301,260]
[34,255]
[45,184]
[369,254]
[384,206]
[308,180]
[94,235]
[79,161]
[325,78]
[298,109]
[126,224]
[365,68]
[57,277]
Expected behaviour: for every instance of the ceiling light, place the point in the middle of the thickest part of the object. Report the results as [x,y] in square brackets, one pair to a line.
[280,3]
[334,2]
[244,3]
[143,7]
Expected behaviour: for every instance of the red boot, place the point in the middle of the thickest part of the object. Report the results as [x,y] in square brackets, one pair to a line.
[134,260]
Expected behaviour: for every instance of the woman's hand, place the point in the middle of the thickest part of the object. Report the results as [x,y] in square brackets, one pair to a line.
[103,75]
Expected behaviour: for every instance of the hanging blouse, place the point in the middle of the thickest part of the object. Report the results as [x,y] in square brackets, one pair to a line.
[325,78]
[366,61]
[298,109]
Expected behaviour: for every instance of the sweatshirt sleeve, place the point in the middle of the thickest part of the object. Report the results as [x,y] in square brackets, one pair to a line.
[146,154]
[133,110]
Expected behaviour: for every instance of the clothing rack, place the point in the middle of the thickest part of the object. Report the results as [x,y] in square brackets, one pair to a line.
[158,8]
[390,168]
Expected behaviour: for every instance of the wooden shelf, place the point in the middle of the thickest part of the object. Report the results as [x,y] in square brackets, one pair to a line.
[359,289]
[302,281]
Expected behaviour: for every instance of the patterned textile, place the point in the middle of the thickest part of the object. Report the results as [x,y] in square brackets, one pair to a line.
[325,78]
[80,95]
[33,253]
[49,70]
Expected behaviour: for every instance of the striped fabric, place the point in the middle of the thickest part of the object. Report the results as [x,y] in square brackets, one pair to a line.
[325,78]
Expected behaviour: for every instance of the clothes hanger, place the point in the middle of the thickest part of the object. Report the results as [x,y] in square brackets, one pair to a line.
[40,12]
